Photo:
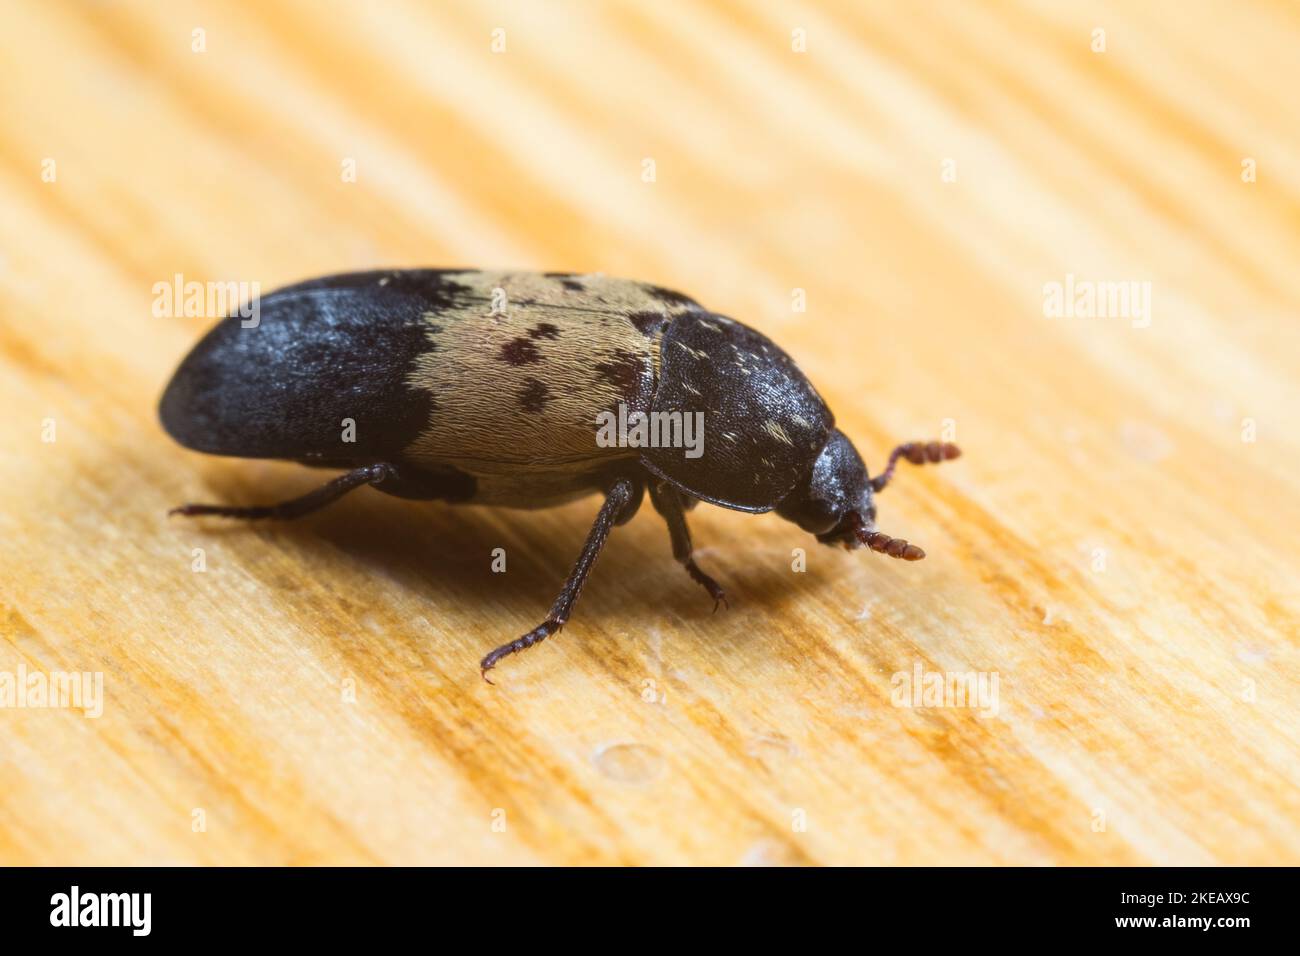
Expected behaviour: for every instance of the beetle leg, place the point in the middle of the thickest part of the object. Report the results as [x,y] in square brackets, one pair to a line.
[668,502]
[918,453]
[620,495]
[297,507]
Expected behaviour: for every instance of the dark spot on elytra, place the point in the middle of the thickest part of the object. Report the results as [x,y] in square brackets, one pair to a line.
[623,371]
[520,351]
[569,280]
[647,323]
[544,330]
[447,293]
[669,296]
[534,396]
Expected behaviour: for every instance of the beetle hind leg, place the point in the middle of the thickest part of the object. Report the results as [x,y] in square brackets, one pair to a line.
[297,507]
[668,502]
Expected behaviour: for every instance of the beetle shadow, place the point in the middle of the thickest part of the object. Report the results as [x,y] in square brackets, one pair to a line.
[442,553]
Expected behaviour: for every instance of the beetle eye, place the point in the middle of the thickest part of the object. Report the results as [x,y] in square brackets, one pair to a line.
[818,518]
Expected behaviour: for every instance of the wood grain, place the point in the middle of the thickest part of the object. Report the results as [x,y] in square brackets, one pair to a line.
[1117,544]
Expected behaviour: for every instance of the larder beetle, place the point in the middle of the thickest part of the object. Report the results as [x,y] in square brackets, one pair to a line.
[487,387]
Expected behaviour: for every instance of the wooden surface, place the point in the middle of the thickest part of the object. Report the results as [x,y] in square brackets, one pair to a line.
[1112,544]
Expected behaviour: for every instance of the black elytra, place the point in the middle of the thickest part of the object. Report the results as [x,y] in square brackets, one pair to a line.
[493,387]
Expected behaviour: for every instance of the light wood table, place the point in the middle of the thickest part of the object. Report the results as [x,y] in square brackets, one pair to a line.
[1118,544]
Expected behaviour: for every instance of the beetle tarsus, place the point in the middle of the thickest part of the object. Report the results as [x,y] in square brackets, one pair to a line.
[535,636]
[918,453]
[713,587]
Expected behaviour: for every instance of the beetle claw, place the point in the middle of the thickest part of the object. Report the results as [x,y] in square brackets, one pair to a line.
[713,587]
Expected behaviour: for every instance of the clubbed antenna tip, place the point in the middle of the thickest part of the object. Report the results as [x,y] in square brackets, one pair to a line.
[894,547]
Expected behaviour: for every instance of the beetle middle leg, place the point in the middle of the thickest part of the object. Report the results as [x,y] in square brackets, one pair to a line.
[306,504]
[622,495]
[668,502]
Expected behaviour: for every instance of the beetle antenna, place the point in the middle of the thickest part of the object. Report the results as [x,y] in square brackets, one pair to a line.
[918,453]
[879,541]
[894,547]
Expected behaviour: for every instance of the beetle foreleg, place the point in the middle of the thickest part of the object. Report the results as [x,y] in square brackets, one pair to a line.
[668,502]
[918,453]
[620,495]
[297,507]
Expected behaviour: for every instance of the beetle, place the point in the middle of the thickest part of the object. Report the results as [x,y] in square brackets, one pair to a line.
[487,387]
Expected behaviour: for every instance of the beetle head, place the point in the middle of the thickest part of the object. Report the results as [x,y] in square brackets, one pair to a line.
[836,502]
